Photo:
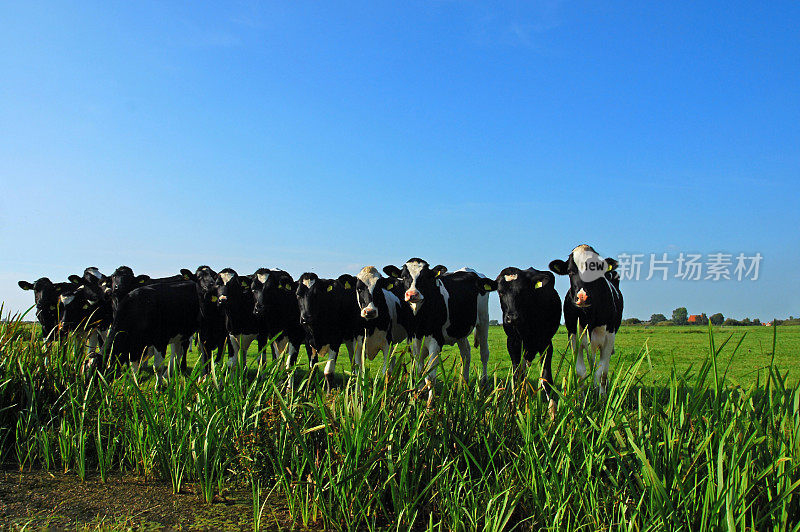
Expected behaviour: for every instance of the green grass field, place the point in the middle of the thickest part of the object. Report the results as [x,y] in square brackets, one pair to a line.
[688,438]
[747,354]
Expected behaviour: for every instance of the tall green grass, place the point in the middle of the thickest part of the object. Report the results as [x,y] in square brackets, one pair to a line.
[698,453]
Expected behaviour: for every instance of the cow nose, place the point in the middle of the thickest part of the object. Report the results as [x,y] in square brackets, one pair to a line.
[512,317]
[581,296]
[258,310]
[304,319]
[369,313]
[412,295]
[223,298]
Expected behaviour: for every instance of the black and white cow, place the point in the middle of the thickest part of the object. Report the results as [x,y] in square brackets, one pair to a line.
[123,281]
[387,317]
[277,307]
[531,316]
[592,308]
[212,333]
[87,311]
[331,317]
[445,308]
[235,298]
[46,295]
[157,315]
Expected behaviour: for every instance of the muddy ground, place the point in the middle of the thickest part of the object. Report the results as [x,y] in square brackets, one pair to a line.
[56,501]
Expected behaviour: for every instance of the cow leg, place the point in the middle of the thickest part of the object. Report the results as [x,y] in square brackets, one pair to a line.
[330,367]
[514,345]
[579,344]
[466,356]
[434,349]
[233,354]
[358,357]
[605,345]
[416,354]
[158,364]
[178,350]
[185,347]
[482,336]
[547,380]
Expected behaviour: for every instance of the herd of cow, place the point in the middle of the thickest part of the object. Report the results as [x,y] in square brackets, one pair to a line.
[429,307]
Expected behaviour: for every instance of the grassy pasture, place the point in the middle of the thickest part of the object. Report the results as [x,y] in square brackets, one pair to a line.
[696,434]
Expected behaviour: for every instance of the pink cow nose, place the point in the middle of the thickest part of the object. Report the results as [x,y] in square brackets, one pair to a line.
[412,295]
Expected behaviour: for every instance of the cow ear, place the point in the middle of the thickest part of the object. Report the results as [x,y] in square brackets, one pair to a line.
[438,270]
[347,281]
[188,275]
[612,264]
[558,266]
[547,279]
[25,285]
[141,279]
[74,279]
[392,271]
[486,285]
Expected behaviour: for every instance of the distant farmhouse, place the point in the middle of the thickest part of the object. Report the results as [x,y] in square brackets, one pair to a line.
[694,318]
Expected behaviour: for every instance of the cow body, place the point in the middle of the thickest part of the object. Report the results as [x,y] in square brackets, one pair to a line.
[276,305]
[592,308]
[235,298]
[387,317]
[531,316]
[155,315]
[212,333]
[445,308]
[330,315]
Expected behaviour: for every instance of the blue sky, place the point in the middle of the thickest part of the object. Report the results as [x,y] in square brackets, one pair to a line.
[325,137]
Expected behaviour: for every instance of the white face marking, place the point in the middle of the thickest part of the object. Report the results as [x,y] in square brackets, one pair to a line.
[66,299]
[262,278]
[94,272]
[308,282]
[369,275]
[415,268]
[591,266]
[226,277]
[512,277]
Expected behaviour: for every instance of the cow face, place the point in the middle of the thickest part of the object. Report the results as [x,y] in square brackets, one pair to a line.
[123,281]
[81,307]
[205,278]
[521,291]
[230,289]
[417,278]
[587,271]
[370,285]
[312,295]
[46,295]
[269,287]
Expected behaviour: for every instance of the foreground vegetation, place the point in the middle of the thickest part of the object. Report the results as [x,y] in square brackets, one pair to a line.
[689,449]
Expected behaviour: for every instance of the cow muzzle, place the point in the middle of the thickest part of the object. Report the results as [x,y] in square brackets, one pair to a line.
[369,313]
[413,296]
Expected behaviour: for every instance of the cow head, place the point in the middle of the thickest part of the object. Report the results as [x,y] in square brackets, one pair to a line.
[46,295]
[523,290]
[205,278]
[82,307]
[418,279]
[587,271]
[230,288]
[370,285]
[123,281]
[269,287]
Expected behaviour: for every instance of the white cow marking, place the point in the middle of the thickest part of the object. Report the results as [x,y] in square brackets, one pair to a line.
[512,277]
[308,282]
[66,299]
[226,277]
[262,278]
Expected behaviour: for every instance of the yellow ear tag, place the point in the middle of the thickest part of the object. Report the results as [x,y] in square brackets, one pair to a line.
[487,288]
[85,307]
[186,277]
[330,288]
[538,284]
[347,285]
[389,286]
[610,267]
[53,307]
[213,299]
[244,285]
[141,281]
[288,287]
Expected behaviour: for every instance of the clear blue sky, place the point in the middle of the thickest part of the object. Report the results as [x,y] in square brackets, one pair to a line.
[322,137]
